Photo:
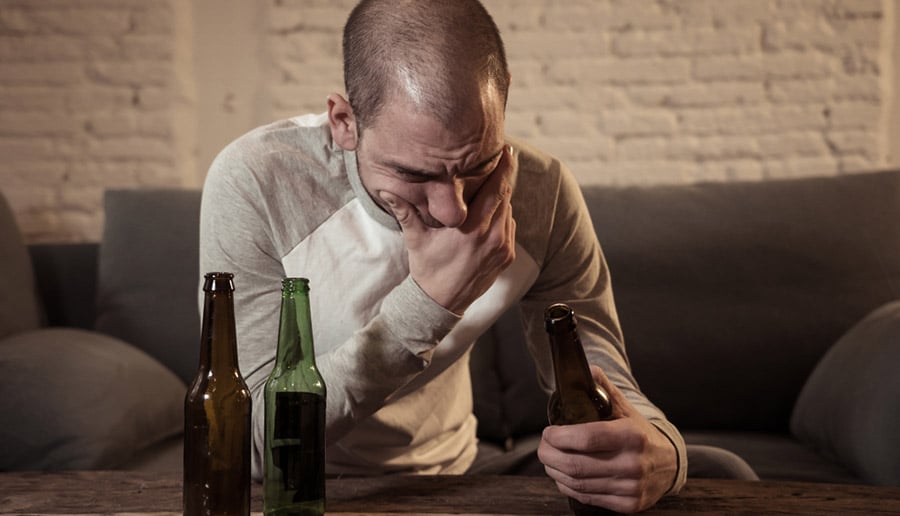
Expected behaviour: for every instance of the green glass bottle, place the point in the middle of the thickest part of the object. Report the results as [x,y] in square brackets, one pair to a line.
[577,397]
[294,479]
[217,413]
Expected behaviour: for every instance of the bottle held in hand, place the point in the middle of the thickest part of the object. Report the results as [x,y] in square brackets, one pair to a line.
[577,398]
[217,413]
[294,478]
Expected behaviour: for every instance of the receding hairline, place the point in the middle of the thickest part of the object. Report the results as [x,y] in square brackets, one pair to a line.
[423,48]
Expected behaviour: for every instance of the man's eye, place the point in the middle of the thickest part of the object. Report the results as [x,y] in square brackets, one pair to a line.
[411,176]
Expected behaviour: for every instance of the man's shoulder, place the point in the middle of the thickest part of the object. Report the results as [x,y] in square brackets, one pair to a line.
[540,174]
[306,135]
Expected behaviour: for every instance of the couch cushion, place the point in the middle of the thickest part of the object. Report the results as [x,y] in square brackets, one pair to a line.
[775,456]
[19,306]
[149,277]
[850,406]
[729,294]
[75,399]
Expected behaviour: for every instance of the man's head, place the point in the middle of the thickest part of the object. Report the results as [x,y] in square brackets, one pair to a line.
[427,83]
[434,52]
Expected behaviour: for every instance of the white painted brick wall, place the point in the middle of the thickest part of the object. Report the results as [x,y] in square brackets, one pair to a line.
[94,94]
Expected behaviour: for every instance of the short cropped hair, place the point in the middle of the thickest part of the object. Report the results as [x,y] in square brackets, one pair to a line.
[441,46]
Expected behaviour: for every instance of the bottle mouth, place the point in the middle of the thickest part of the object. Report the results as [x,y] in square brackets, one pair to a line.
[295,284]
[559,316]
[218,282]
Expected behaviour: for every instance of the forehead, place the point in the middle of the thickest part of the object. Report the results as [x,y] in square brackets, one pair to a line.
[404,130]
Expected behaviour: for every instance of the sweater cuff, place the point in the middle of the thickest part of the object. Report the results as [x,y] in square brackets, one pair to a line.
[674,437]
[415,319]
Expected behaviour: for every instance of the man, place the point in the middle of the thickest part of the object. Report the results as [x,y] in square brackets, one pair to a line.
[419,223]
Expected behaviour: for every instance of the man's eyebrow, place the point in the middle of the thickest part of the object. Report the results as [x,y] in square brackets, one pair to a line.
[411,171]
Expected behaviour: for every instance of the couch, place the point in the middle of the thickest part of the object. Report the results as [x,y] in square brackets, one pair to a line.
[761,316]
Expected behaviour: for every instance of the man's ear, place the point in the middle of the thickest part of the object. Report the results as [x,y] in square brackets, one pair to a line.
[342,122]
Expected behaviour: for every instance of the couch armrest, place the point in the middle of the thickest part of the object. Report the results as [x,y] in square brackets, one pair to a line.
[849,408]
[66,278]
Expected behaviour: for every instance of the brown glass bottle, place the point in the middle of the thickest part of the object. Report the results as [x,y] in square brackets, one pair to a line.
[217,413]
[577,397]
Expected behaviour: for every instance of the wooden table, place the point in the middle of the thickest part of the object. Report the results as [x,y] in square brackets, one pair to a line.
[118,492]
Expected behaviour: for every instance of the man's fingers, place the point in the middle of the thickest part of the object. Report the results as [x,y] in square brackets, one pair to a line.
[621,406]
[405,213]
[495,192]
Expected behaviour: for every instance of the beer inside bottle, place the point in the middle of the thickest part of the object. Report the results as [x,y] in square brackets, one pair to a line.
[217,413]
[294,478]
[577,397]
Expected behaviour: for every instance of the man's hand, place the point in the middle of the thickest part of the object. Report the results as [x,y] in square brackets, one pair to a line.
[625,464]
[455,266]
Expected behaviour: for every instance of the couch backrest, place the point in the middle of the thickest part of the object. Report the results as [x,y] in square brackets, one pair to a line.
[729,294]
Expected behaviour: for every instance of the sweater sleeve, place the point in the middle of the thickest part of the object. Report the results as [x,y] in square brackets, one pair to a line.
[574,271]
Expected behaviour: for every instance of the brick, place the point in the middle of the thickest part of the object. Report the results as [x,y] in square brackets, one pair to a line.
[643,172]
[32,98]
[139,149]
[325,19]
[854,115]
[304,47]
[318,73]
[857,163]
[521,124]
[576,148]
[515,15]
[799,91]
[81,199]
[130,73]
[562,123]
[105,126]
[19,174]
[33,48]
[699,94]
[637,122]
[41,74]
[82,21]
[862,143]
[592,16]
[751,121]
[553,45]
[28,149]
[788,144]
[800,34]
[619,71]
[35,124]
[737,149]
[636,148]
[696,41]
[89,98]
[159,19]
[800,167]
[727,170]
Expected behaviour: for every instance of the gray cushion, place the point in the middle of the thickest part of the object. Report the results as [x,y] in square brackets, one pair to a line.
[19,307]
[850,406]
[149,274]
[74,399]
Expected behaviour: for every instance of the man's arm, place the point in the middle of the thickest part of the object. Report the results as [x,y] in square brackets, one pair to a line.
[646,443]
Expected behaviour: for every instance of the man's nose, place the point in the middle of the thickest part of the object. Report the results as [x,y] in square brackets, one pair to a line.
[447,204]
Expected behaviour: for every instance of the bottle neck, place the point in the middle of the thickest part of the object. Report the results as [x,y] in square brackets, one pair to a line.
[218,350]
[295,340]
[570,366]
